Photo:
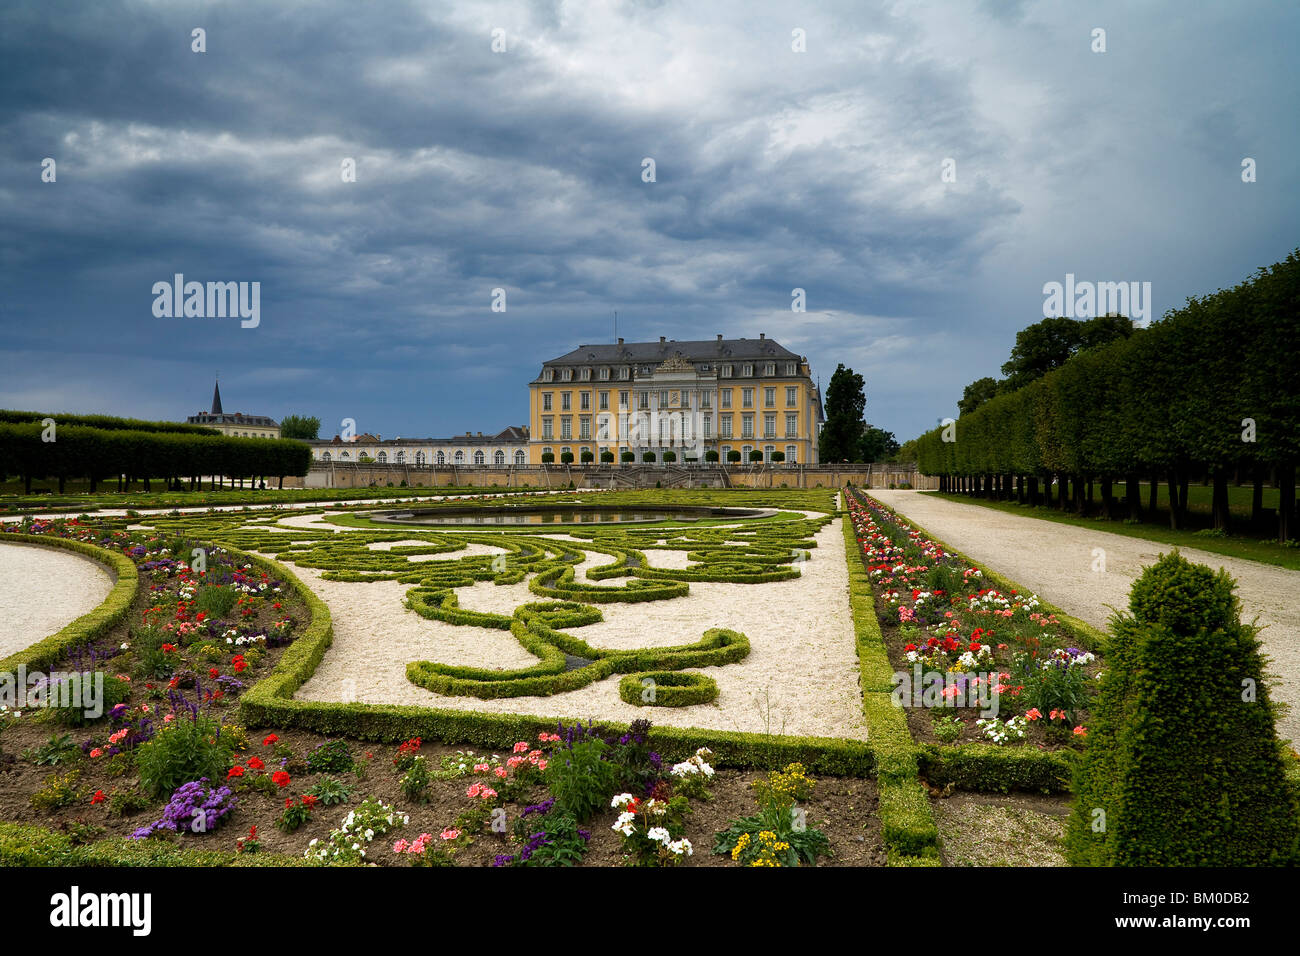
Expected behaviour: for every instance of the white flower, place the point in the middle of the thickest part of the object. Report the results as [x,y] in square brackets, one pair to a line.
[622,800]
[659,835]
[682,846]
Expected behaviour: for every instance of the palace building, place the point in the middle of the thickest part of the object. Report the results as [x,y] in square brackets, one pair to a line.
[675,401]
[507,447]
[238,424]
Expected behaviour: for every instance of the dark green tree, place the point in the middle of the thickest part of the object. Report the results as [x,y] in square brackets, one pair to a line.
[877,445]
[297,426]
[841,437]
[977,393]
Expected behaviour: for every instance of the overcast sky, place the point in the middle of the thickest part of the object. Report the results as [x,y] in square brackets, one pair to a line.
[523,170]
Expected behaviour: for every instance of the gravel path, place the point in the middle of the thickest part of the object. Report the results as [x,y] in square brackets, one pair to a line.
[1056,561]
[43,589]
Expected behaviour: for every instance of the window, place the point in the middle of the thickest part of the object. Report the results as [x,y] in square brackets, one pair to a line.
[499,458]
[441,459]
[791,425]
[747,398]
[622,401]
[624,373]
[586,375]
[567,375]
[663,399]
[604,401]
[548,375]
[769,398]
[792,453]
[547,429]
[604,374]
[546,401]
[791,368]
[727,370]
[642,399]
[744,453]
[382,458]
[747,371]
[584,428]
[747,426]
[325,456]
[769,368]
[419,458]
[566,401]
[792,396]
[478,456]
[767,453]
[585,401]
[724,425]
[547,450]
[520,458]
[769,426]
[401,457]
[707,425]
[706,399]
[343,455]
[566,428]
[726,398]
[460,457]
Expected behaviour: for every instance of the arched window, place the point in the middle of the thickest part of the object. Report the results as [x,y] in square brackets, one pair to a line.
[401,457]
[325,456]
[343,455]
[520,458]
[460,457]
[419,458]
[499,458]
[382,457]
[442,457]
[478,456]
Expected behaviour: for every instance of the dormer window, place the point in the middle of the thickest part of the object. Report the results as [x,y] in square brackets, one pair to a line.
[791,368]
[604,375]
[769,368]
[548,375]
[625,373]
[586,375]
[727,370]
[748,371]
[567,375]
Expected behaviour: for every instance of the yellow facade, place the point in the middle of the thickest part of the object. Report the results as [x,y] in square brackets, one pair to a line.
[687,405]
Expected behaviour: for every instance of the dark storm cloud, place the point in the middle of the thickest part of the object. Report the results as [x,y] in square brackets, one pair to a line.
[522,170]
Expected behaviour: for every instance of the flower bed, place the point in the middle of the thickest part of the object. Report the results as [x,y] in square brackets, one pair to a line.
[973,664]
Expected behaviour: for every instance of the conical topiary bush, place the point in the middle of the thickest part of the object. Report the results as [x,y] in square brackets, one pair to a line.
[1183,767]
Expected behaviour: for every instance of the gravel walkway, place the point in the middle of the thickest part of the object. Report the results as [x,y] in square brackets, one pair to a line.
[43,589]
[1056,561]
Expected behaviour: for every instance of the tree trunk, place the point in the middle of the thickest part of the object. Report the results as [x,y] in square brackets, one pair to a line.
[1033,491]
[1107,506]
[1257,498]
[1286,504]
[1219,508]
[1020,489]
[1133,497]
[1175,511]
[1154,495]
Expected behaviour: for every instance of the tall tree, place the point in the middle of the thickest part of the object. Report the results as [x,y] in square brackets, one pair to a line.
[841,438]
[296,426]
[877,445]
[1049,344]
[977,393]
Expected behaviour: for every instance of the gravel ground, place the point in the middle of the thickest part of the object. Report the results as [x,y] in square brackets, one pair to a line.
[1057,560]
[44,589]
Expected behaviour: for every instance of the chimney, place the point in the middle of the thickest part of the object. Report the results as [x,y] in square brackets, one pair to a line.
[662,340]
[620,341]
[719,336]
[762,335]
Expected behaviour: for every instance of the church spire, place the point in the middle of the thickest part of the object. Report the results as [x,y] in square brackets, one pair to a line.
[216,399]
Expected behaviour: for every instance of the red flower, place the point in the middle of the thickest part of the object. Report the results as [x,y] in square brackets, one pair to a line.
[168,648]
[213,673]
[288,802]
[308,801]
[98,797]
[281,779]
[255,763]
[270,739]
[235,772]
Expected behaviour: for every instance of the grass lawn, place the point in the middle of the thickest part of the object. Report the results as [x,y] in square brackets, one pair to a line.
[1243,543]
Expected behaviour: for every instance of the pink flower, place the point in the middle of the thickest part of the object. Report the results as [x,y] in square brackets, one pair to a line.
[449,833]
[400,846]
[1034,713]
[521,747]
[118,737]
[501,772]
[482,768]
[514,762]
[1081,731]
[97,752]
[541,765]
[169,718]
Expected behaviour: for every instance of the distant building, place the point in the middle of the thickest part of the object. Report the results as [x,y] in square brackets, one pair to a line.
[237,425]
[688,398]
[507,447]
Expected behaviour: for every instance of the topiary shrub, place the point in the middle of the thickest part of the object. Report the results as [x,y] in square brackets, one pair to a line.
[648,456]
[627,456]
[670,456]
[606,457]
[667,689]
[1183,767]
[566,458]
[548,458]
[711,455]
[587,457]
[733,456]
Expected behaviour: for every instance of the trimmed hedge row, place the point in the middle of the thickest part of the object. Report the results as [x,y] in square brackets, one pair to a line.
[44,654]
[907,824]
[270,703]
[23,844]
[669,689]
[988,768]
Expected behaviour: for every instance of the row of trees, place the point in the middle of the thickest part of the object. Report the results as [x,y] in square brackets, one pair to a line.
[108,422]
[1209,391]
[34,450]
[846,436]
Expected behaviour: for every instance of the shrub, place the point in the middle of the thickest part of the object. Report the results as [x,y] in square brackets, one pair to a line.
[330,791]
[670,456]
[548,457]
[1183,767]
[667,689]
[216,601]
[778,456]
[606,457]
[755,455]
[586,457]
[70,709]
[191,747]
[710,455]
[648,456]
[566,458]
[58,792]
[415,783]
[551,838]
[332,756]
[582,778]
[627,456]
[733,456]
